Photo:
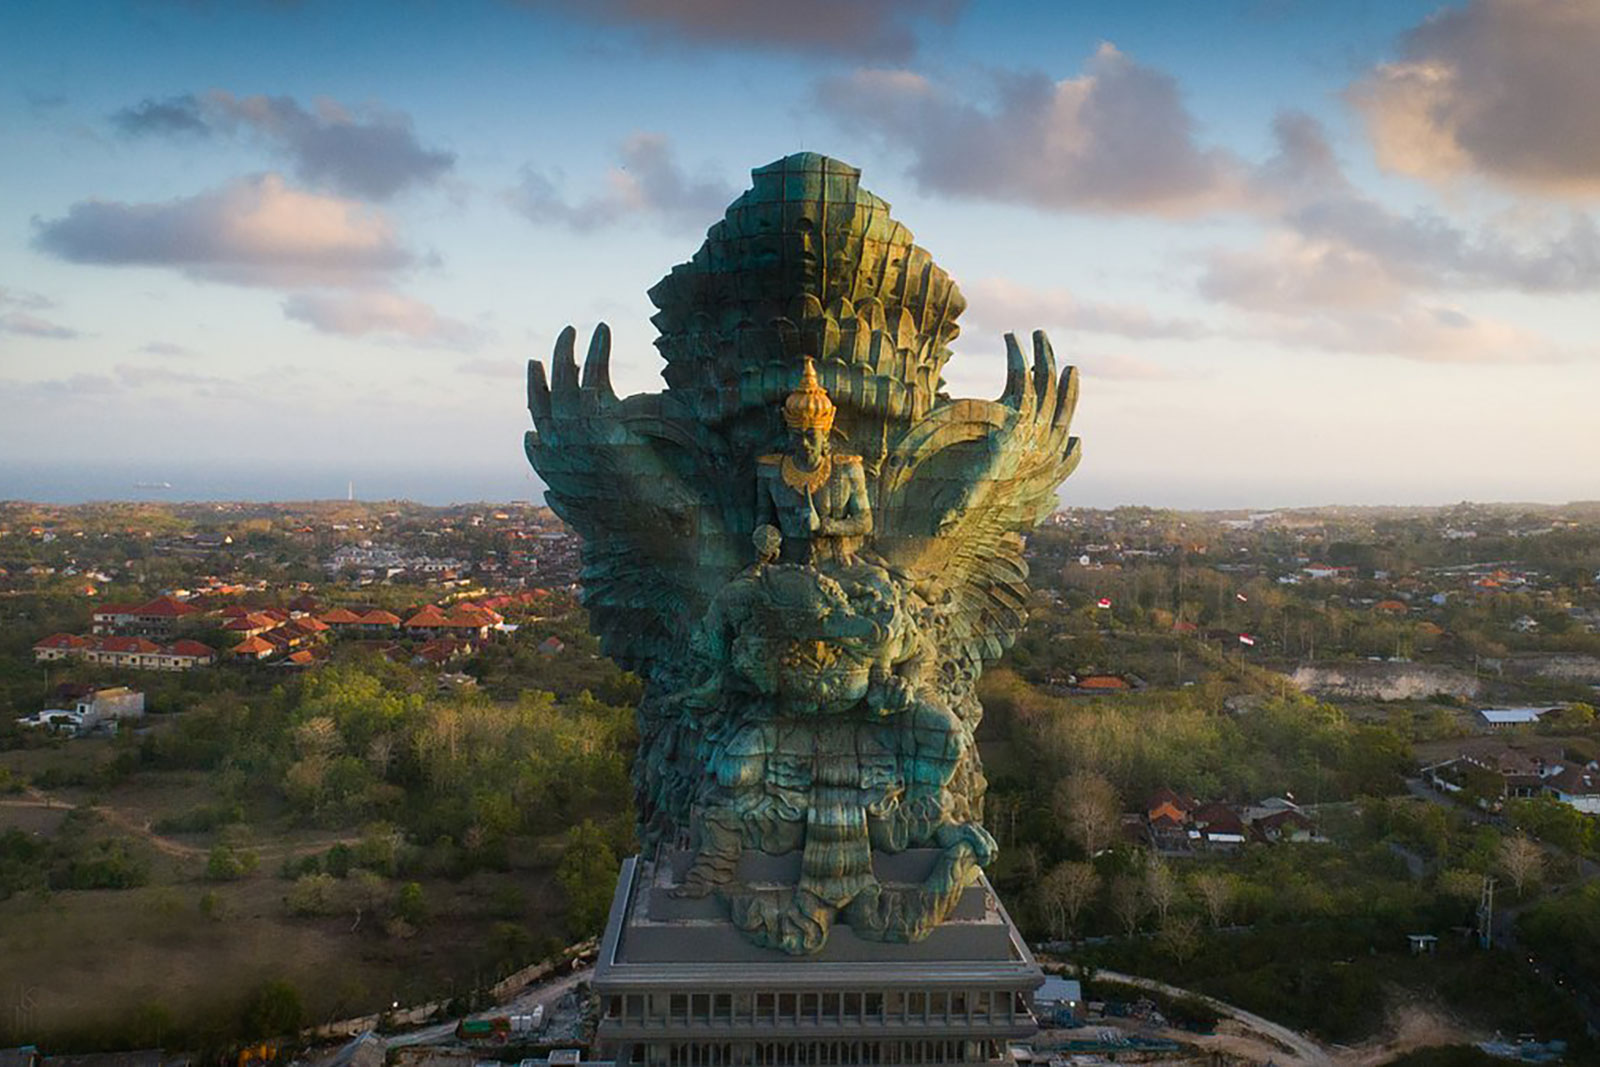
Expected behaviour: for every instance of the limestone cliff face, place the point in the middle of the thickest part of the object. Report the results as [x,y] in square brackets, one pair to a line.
[1557,667]
[1365,680]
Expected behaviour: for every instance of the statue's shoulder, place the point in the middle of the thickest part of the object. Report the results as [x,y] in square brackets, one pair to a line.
[771,460]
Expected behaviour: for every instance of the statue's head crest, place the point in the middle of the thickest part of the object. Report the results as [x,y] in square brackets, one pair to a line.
[808,407]
[807,263]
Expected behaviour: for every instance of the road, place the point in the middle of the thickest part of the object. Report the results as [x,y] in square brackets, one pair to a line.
[546,993]
[1306,1051]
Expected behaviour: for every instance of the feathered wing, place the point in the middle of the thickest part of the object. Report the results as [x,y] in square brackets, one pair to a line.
[963,484]
[631,477]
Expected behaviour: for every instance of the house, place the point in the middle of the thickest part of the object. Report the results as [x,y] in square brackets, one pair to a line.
[138,652]
[254,647]
[1165,803]
[427,621]
[1109,683]
[442,650]
[1506,718]
[552,646]
[154,618]
[379,621]
[1391,607]
[112,618]
[184,654]
[113,702]
[1286,825]
[250,624]
[1520,769]
[59,646]
[1167,819]
[1577,787]
[341,619]
[1217,825]
[305,604]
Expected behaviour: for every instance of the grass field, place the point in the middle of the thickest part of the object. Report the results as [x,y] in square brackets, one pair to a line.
[177,957]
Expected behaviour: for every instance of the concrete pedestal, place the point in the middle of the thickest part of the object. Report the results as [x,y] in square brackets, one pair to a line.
[679,984]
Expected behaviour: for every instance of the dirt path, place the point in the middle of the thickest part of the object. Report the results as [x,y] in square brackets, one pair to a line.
[37,798]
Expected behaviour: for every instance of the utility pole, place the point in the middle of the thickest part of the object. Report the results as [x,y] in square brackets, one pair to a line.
[1486,913]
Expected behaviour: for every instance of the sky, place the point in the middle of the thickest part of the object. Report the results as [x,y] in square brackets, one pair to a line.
[1301,252]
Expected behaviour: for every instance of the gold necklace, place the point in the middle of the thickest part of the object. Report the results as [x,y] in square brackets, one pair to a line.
[798,478]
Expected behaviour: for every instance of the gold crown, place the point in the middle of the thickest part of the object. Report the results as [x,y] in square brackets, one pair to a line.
[808,407]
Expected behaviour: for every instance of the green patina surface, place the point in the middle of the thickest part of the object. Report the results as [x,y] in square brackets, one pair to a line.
[809,570]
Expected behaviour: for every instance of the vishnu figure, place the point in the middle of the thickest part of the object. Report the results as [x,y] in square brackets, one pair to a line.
[815,496]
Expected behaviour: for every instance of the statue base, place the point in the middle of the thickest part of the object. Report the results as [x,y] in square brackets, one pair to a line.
[680,985]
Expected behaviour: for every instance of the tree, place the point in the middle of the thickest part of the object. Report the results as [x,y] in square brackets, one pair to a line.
[312,894]
[226,865]
[1180,936]
[273,1010]
[1064,892]
[411,905]
[1522,860]
[1160,888]
[1127,902]
[588,876]
[1088,804]
[1216,890]
[1461,884]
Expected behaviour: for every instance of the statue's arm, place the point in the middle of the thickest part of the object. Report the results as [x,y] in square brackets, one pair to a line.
[766,511]
[857,518]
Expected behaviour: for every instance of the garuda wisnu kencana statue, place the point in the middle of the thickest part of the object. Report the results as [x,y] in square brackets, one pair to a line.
[807,551]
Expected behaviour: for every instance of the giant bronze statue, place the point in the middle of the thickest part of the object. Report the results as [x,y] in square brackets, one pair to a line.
[808,551]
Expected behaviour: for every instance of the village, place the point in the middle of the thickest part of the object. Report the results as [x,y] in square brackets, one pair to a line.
[1220,733]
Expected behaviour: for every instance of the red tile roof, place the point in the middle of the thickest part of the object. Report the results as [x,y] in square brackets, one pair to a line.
[187,647]
[127,644]
[62,641]
[379,617]
[428,616]
[166,607]
[341,617]
[252,646]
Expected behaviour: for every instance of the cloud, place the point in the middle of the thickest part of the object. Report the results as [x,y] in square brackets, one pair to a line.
[380,313]
[492,368]
[1118,366]
[24,298]
[42,103]
[370,153]
[174,116]
[1506,90]
[648,182]
[881,30]
[166,348]
[253,231]
[25,325]
[1333,246]
[1415,329]
[1003,305]
[1115,139]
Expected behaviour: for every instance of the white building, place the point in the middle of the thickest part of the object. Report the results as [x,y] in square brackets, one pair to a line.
[1505,718]
[120,702]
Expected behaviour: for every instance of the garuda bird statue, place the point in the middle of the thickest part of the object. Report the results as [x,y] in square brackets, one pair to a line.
[808,551]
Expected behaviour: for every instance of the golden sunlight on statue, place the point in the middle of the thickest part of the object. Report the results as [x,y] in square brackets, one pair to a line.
[817,497]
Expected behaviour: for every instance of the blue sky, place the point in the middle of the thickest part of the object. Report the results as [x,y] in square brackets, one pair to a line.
[1301,252]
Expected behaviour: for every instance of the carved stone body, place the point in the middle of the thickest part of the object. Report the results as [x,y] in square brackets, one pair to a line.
[815,695]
